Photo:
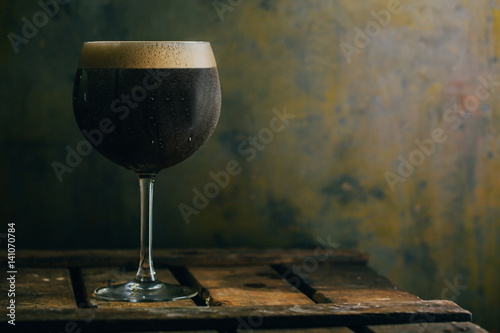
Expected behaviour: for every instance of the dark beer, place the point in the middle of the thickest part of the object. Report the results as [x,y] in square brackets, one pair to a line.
[146,106]
[146,119]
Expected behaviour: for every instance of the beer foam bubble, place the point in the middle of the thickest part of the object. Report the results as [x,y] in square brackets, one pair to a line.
[147,55]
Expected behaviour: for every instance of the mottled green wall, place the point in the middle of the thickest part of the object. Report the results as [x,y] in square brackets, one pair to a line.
[323,175]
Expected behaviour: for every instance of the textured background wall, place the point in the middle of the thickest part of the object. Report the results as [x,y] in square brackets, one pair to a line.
[358,107]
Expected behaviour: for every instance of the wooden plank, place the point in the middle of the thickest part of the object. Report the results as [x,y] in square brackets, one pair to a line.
[182,257]
[220,318]
[468,327]
[245,286]
[407,328]
[450,327]
[40,288]
[346,283]
[100,277]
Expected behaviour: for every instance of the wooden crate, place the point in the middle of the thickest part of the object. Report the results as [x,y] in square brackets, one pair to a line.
[240,290]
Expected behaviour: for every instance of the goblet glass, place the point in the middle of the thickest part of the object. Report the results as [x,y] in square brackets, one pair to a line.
[146,106]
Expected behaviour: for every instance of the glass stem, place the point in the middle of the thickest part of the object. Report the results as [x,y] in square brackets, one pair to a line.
[146,271]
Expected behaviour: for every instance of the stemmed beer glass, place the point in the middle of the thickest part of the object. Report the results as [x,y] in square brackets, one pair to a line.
[146,106]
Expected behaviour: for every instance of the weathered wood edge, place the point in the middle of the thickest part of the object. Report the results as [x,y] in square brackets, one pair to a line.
[426,327]
[296,316]
[184,257]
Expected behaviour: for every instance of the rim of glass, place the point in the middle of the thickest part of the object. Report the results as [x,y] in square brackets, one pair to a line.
[146,42]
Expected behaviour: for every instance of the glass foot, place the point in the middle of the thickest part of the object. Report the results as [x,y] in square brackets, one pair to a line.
[144,292]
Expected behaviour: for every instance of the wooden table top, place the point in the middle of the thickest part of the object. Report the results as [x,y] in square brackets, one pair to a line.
[239,290]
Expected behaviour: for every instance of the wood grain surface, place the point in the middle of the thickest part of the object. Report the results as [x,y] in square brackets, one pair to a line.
[246,286]
[294,316]
[348,283]
[273,290]
[39,288]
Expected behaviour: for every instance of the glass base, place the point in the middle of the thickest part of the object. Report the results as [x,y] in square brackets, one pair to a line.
[144,292]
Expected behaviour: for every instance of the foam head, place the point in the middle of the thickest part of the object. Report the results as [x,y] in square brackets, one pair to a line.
[146,55]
